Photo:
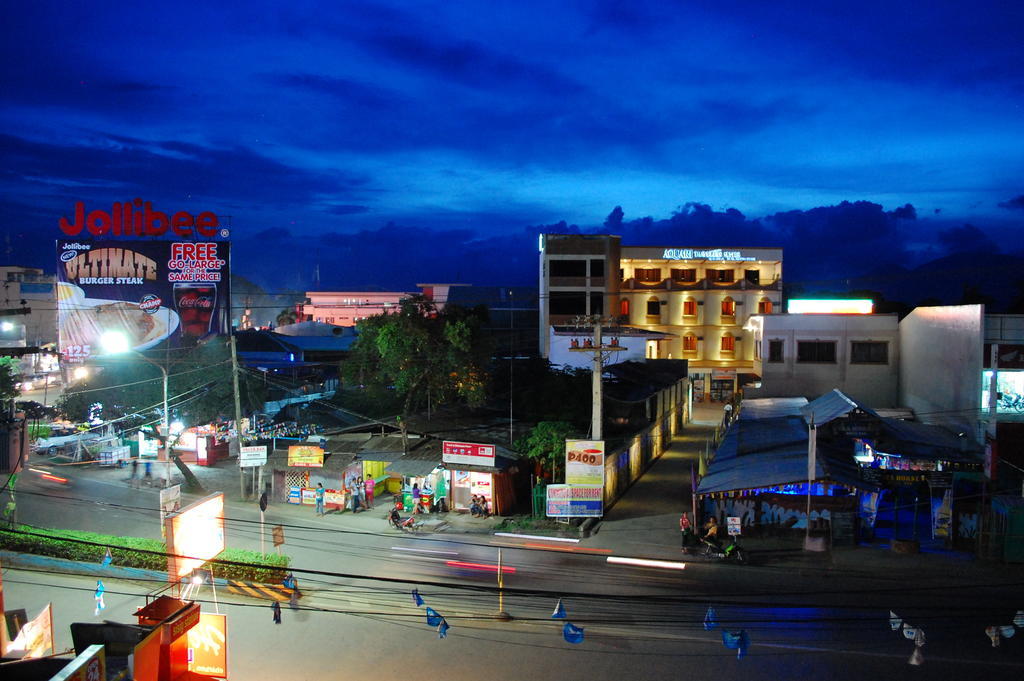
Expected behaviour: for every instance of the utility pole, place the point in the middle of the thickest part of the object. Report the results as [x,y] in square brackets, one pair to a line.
[597,349]
[238,415]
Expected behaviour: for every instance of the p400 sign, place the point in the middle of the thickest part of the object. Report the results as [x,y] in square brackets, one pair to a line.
[584,462]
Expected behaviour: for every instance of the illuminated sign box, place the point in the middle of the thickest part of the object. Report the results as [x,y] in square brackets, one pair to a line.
[574,501]
[306,456]
[208,646]
[584,462]
[467,453]
[829,306]
[194,535]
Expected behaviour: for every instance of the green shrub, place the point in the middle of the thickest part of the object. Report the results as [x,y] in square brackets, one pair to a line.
[137,552]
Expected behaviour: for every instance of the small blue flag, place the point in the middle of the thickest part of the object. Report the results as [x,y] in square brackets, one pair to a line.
[100,589]
[107,558]
[416,598]
[442,629]
[100,605]
[709,619]
[572,633]
[736,640]
[433,618]
[559,613]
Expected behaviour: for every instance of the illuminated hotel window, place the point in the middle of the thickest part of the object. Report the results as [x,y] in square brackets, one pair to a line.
[764,306]
[689,343]
[728,343]
[728,307]
[721,276]
[684,275]
[624,307]
[647,274]
[689,307]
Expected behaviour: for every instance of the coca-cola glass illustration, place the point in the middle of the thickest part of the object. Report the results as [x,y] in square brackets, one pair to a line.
[195,303]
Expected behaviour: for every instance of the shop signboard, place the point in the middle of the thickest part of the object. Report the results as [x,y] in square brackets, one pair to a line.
[306,456]
[150,291]
[334,498]
[278,533]
[252,456]
[733,526]
[294,495]
[467,453]
[35,638]
[575,501]
[90,665]
[170,501]
[584,462]
[195,535]
[208,646]
[308,496]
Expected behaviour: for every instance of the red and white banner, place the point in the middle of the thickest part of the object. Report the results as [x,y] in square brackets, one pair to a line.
[467,453]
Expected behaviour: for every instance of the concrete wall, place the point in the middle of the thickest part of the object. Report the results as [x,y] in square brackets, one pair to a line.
[874,384]
[940,374]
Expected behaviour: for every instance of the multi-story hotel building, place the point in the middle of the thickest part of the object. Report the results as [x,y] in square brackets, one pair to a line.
[692,303]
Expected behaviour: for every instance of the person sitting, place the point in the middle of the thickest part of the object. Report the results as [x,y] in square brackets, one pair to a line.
[484,511]
[394,517]
[711,532]
[474,507]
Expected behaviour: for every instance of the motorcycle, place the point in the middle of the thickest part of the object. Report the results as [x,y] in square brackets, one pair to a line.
[730,552]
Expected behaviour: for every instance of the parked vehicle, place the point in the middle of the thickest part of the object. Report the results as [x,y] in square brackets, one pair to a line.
[731,551]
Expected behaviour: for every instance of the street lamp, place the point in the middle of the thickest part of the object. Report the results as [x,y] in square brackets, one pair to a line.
[116,343]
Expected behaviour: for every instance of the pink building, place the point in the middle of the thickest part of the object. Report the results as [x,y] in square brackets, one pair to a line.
[345,308]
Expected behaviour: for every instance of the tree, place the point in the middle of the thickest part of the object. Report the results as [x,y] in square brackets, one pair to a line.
[8,383]
[545,445]
[286,316]
[424,355]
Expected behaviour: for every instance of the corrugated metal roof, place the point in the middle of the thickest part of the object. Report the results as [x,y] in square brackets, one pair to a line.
[922,440]
[411,468]
[771,407]
[783,466]
[831,406]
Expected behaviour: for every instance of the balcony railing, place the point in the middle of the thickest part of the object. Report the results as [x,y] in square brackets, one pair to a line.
[632,284]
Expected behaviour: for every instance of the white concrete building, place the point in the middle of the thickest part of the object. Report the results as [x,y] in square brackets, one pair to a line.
[802,355]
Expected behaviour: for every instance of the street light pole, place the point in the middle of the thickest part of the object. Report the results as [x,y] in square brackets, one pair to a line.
[165,428]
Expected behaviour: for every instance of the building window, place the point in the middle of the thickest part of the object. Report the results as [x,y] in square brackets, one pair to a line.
[721,276]
[654,308]
[567,303]
[568,268]
[752,277]
[624,307]
[775,348]
[597,268]
[728,343]
[689,343]
[728,307]
[816,351]
[647,274]
[689,307]
[596,303]
[685,275]
[764,306]
[869,352]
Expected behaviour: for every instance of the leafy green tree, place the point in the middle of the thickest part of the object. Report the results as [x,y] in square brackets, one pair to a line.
[423,355]
[8,384]
[545,445]
[286,316]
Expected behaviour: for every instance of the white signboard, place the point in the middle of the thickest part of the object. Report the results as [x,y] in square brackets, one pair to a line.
[255,455]
[584,462]
[468,453]
[733,525]
[574,501]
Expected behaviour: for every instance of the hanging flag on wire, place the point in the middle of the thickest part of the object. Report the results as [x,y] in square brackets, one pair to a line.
[894,621]
[572,633]
[1018,619]
[736,640]
[416,598]
[1007,631]
[107,558]
[433,618]
[709,619]
[916,657]
[442,629]
[909,631]
[993,635]
[559,613]
[100,605]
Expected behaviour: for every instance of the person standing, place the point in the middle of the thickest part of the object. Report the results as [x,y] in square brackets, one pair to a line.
[276,607]
[319,498]
[135,472]
[356,485]
[368,488]
[685,529]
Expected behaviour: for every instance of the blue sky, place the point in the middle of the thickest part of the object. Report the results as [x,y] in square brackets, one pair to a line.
[365,134]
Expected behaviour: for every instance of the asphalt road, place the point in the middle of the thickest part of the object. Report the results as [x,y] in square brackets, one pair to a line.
[357,617]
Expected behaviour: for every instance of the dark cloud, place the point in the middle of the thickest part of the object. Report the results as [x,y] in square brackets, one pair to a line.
[1016,203]
[348,91]
[966,239]
[347,209]
[470,63]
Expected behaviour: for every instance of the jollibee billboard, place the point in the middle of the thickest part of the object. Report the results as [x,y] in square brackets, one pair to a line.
[152,291]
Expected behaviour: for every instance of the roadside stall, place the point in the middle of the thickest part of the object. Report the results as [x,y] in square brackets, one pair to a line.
[200,445]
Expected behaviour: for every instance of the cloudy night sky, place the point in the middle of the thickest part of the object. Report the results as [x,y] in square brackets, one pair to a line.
[404,142]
